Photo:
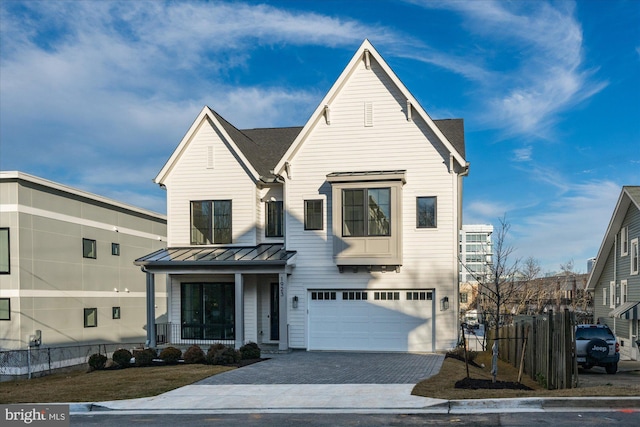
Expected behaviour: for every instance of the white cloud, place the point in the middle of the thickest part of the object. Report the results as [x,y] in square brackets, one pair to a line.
[102,92]
[543,39]
[522,154]
[569,227]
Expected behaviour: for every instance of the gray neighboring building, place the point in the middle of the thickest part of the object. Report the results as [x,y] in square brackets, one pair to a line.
[615,279]
[66,265]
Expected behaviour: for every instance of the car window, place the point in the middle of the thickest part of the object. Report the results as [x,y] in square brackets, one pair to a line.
[589,333]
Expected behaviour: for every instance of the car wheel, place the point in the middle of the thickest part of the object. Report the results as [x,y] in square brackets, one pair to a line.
[611,368]
[586,366]
[597,349]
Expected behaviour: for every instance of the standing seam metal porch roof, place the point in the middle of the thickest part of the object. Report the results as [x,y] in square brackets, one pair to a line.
[260,255]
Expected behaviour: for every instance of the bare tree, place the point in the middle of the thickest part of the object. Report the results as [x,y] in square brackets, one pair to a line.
[498,286]
[530,290]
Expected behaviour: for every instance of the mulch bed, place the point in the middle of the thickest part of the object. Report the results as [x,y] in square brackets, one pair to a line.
[477,384]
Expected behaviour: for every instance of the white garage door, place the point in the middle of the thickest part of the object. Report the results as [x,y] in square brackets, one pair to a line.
[380,320]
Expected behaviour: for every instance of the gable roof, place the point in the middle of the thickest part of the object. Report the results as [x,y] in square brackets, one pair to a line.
[263,152]
[258,149]
[629,196]
[367,50]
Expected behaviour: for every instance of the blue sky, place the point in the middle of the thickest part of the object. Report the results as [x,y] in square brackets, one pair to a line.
[97,94]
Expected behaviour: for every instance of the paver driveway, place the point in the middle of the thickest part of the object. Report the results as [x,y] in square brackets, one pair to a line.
[310,367]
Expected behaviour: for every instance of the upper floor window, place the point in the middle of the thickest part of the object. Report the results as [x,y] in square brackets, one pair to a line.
[274,219]
[89,248]
[635,257]
[366,212]
[426,212]
[624,241]
[313,219]
[210,222]
[115,249]
[5,264]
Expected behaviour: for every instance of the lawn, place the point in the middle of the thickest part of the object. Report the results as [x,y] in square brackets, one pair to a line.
[97,386]
[441,386]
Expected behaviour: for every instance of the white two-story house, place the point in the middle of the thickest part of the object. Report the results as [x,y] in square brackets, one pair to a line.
[341,234]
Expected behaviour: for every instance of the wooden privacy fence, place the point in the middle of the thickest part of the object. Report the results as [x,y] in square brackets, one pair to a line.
[549,348]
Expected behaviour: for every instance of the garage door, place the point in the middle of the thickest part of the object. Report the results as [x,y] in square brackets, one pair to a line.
[380,320]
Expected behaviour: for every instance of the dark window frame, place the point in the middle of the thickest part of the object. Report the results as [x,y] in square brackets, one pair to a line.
[423,219]
[8,256]
[274,219]
[215,212]
[116,313]
[115,249]
[87,254]
[308,222]
[358,213]
[201,318]
[87,314]
[8,300]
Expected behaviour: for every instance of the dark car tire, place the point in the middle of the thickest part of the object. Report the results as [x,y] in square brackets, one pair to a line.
[597,349]
[611,368]
[586,366]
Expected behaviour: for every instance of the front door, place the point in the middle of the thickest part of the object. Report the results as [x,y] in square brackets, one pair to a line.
[274,313]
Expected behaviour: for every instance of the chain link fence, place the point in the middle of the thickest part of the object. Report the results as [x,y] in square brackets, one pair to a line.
[39,361]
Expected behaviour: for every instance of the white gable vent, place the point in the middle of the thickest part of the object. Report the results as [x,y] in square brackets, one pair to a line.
[210,157]
[368,114]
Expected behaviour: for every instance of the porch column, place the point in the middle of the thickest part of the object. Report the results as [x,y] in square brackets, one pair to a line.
[283,306]
[151,310]
[239,317]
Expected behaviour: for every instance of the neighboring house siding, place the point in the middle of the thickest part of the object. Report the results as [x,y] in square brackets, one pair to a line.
[51,283]
[392,143]
[617,268]
[191,179]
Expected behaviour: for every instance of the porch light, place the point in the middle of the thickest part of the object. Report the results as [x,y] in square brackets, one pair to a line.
[444,304]
[294,301]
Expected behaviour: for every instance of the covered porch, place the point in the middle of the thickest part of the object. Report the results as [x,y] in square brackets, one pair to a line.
[229,295]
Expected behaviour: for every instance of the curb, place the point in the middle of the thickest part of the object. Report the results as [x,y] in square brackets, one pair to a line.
[529,404]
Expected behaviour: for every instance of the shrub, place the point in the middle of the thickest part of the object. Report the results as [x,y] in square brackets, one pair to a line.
[145,357]
[194,354]
[97,361]
[122,357]
[220,354]
[170,355]
[250,351]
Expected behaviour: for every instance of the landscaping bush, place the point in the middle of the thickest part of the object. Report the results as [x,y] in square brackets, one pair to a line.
[97,361]
[194,354]
[170,355]
[220,354]
[145,357]
[122,358]
[250,351]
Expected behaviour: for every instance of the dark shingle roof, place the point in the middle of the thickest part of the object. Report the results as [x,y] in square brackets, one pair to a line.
[453,129]
[264,147]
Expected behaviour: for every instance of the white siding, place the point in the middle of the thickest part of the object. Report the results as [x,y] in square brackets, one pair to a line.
[191,179]
[392,143]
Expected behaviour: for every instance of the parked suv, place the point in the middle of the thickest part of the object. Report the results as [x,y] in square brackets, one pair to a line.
[597,346]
